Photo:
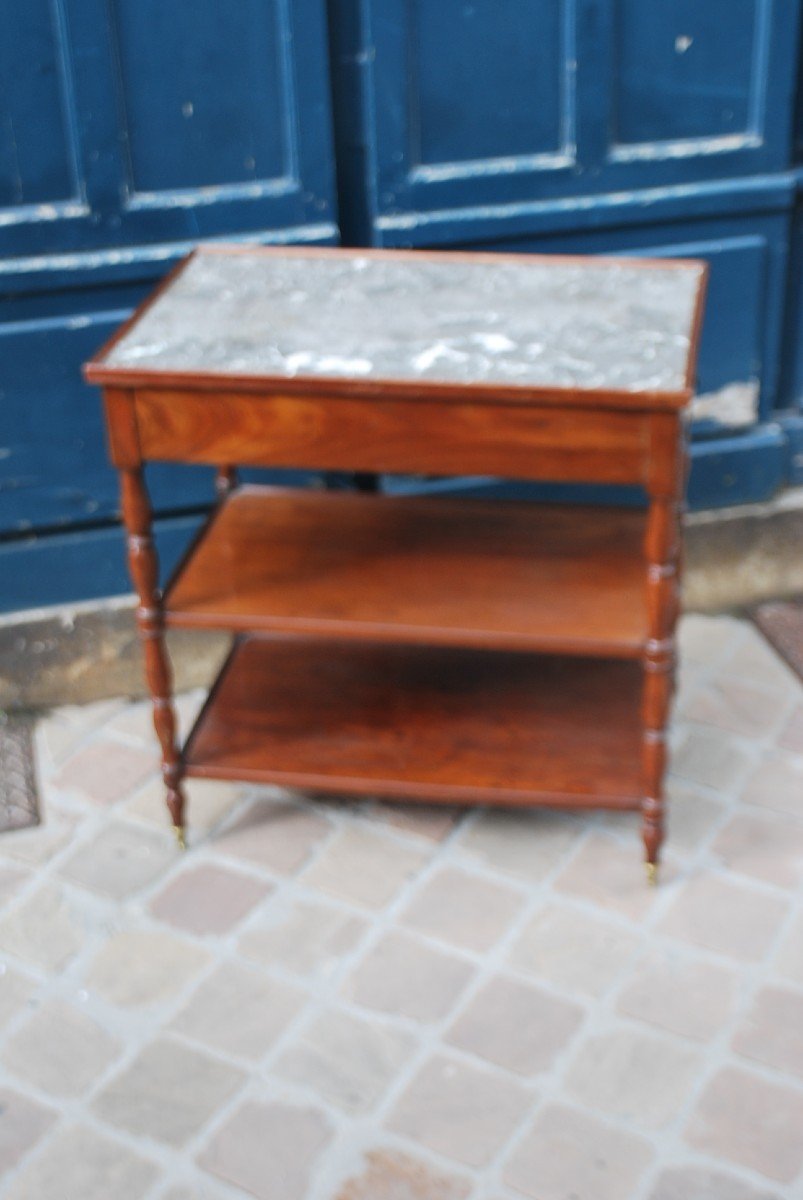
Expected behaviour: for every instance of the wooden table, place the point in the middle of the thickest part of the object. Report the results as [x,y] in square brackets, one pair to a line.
[426,648]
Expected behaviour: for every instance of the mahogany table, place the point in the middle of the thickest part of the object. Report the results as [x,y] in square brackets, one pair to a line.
[430,648]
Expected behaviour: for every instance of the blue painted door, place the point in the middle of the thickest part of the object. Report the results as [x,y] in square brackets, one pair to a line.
[607,126]
[129,130]
[133,122]
[487,115]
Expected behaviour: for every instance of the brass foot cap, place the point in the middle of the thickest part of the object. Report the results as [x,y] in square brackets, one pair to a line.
[180,839]
[652,873]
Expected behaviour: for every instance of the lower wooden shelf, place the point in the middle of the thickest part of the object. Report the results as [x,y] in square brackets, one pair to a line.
[423,723]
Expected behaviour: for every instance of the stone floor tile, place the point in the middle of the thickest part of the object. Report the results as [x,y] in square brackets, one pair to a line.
[764,846]
[146,977]
[364,867]
[24,1122]
[304,938]
[632,1075]
[168,1092]
[525,843]
[345,1060]
[462,1112]
[702,1183]
[37,845]
[724,916]
[777,784]
[208,898]
[189,704]
[135,721]
[120,860]
[91,718]
[268,1149]
[139,967]
[209,802]
[687,684]
[105,771]
[55,739]
[746,1119]
[690,816]
[60,1050]
[755,660]
[45,930]
[401,975]
[202,1188]
[711,757]
[791,738]
[772,1031]
[463,909]
[433,822]
[81,1163]
[573,950]
[11,879]
[708,640]
[568,1155]
[683,995]
[280,835]
[610,874]
[789,959]
[389,1175]
[736,706]
[239,1011]
[516,1026]
[16,991]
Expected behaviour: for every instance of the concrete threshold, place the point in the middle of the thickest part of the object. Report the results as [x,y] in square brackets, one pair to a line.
[74,654]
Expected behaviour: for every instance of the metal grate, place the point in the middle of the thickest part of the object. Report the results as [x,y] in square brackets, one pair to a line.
[19,801]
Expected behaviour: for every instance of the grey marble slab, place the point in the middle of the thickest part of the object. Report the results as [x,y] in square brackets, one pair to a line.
[586,324]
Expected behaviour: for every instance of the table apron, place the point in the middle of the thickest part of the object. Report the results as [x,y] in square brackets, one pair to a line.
[393,435]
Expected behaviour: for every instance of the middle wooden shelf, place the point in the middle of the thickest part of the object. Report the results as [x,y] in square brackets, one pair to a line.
[563,579]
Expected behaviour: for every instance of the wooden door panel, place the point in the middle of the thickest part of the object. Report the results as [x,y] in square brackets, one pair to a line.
[36,148]
[188,121]
[205,93]
[495,110]
[488,80]
[687,71]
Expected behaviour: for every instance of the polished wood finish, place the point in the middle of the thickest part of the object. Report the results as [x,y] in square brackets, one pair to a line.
[557,578]
[662,552]
[450,685]
[424,723]
[395,436]
[144,567]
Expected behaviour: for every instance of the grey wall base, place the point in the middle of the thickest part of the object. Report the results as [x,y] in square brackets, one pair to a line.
[73,655]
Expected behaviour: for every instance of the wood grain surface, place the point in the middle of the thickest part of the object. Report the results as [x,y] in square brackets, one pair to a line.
[430,723]
[437,570]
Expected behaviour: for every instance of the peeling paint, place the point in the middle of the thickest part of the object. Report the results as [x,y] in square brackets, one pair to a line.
[95,260]
[43,212]
[734,406]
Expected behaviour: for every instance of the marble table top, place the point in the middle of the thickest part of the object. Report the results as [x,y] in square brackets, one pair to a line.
[527,322]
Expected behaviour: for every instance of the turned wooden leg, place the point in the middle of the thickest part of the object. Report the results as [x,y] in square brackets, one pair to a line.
[225,481]
[657,692]
[662,552]
[144,567]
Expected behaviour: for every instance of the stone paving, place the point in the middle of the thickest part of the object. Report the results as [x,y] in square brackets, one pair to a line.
[362,1002]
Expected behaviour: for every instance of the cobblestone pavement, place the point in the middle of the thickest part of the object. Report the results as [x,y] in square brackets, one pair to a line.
[359,1002]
